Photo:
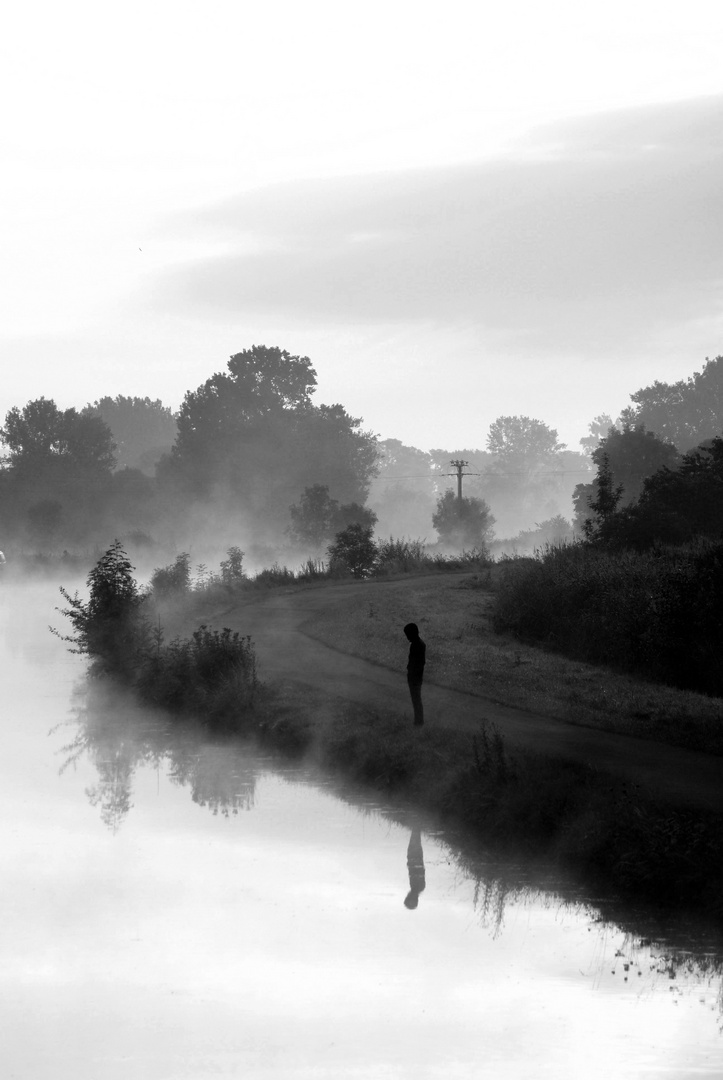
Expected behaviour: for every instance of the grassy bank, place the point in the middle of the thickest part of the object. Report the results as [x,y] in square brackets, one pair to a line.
[455,614]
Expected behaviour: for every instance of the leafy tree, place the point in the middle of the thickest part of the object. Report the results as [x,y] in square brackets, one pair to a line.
[678,505]
[219,417]
[522,443]
[143,430]
[630,455]
[40,436]
[685,413]
[604,503]
[463,523]
[317,517]
[256,433]
[108,626]
[354,549]
[598,428]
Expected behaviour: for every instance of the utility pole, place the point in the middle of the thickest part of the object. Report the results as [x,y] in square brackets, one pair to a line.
[459,465]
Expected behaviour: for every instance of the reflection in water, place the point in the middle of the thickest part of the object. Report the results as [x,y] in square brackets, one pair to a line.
[118,737]
[415,866]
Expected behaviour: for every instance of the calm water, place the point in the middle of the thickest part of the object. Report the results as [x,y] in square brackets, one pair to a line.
[177,908]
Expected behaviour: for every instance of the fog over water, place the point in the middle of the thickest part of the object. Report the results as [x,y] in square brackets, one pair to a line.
[178,906]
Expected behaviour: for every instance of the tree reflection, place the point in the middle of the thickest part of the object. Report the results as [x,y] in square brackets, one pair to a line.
[117,737]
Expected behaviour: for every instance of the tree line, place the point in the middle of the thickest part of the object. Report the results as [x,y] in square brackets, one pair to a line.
[249,450]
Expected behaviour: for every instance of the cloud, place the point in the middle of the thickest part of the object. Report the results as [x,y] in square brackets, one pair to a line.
[594,233]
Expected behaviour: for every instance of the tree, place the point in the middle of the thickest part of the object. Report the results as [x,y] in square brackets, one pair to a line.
[225,412]
[522,443]
[631,455]
[598,428]
[604,503]
[317,517]
[354,549]
[463,523]
[255,436]
[143,430]
[40,436]
[678,505]
[685,413]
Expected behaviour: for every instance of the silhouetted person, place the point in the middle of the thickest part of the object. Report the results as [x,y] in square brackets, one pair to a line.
[415,866]
[415,670]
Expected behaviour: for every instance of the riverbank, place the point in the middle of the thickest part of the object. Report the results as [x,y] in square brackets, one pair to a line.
[601,825]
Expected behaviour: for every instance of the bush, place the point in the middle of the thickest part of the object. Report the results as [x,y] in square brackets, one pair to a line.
[353,551]
[173,580]
[657,613]
[108,626]
[213,674]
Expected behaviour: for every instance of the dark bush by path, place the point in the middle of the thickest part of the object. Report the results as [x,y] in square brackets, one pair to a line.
[657,613]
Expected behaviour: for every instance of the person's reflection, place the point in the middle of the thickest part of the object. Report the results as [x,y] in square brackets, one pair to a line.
[415,866]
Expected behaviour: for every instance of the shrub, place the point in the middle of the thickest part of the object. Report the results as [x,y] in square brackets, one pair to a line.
[173,580]
[354,551]
[213,674]
[232,572]
[655,613]
[108,626]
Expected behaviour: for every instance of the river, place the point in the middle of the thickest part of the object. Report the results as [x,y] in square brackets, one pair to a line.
[175,906]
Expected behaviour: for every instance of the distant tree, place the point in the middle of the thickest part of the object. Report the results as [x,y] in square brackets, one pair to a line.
[256,433]
[312,517]
[143,430]
[685,413]
[40,435]
[522,443]
[598,428]
[317,517]
[354,549]
[226,413]
[464,523]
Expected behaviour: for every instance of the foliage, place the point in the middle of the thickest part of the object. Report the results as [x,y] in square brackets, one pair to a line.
[628,457]
[463,523]
[40,436]
[317,517]
[520,441]
[354,550]
[655,613]
[232,571]
[686,412]
[604,503]
[173,580]
[212,674]
[108,626]
[598,428]
[255,432]
[142,429]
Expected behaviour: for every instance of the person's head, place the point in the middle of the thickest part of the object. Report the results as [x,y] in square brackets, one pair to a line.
[411,630]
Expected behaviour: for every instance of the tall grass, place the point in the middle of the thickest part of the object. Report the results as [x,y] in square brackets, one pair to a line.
[657,613]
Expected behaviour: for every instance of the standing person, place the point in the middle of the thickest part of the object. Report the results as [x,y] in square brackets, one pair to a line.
[415,670]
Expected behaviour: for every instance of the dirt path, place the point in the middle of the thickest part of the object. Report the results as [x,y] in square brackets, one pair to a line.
[281,624]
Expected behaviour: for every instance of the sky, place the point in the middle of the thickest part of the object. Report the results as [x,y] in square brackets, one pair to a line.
[457,211]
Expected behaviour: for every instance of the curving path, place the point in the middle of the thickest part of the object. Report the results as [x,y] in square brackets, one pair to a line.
[281,624]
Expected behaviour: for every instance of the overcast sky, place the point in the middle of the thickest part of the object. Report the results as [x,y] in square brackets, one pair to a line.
[457,211]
